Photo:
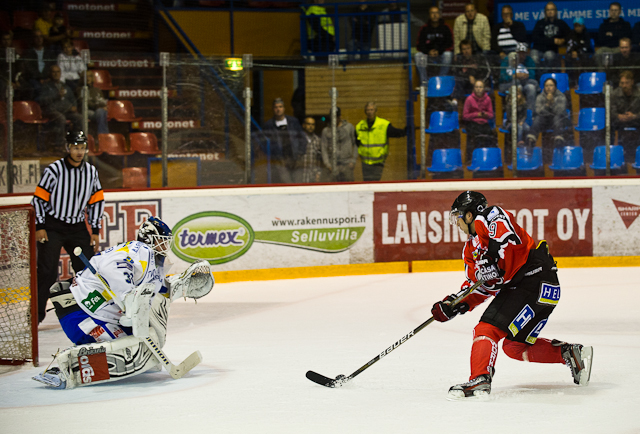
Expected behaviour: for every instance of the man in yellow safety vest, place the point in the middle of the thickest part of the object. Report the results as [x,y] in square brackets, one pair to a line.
[372,136]
[320,30]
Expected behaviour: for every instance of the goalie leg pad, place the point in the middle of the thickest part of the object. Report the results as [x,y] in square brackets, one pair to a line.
[159,317]
[88,364]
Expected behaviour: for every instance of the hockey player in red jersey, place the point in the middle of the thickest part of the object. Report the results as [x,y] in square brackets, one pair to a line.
[522,278]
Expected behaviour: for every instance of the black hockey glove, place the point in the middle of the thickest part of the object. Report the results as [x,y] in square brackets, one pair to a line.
[487,270]
[443,311]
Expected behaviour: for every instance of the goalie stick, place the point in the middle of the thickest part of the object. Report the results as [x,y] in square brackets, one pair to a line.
[341,380]
[175,371]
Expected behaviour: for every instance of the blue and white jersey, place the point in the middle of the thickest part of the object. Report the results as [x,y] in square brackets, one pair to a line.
[124,267]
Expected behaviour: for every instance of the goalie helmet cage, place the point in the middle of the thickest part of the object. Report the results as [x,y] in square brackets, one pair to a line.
[18,286]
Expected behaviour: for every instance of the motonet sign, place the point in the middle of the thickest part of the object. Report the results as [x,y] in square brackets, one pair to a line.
[415,226]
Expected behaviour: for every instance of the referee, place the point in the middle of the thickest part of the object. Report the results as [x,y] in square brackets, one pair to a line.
[67,187]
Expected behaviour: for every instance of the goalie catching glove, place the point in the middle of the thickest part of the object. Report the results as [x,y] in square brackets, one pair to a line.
[443,311]
[195,282]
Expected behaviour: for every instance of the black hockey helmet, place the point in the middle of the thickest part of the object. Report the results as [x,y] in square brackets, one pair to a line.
[76,137]
[468,201]
[156,234]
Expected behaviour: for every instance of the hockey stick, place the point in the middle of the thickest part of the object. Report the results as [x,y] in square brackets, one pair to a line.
[341,380]
[175,371]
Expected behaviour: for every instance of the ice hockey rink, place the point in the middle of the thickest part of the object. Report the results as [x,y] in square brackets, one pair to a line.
[259,338]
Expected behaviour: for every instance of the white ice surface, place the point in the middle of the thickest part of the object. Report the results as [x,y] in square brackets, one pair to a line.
[259,338]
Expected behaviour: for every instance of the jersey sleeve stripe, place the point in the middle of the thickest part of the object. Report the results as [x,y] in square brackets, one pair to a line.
[43,194]
[96,197]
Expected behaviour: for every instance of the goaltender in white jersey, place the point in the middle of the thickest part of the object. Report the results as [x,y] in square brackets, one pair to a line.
[116,310]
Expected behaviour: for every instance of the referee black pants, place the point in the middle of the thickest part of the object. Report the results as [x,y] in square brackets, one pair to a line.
[60,235]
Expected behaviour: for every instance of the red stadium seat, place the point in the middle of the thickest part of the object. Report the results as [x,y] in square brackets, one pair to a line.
[24,19]
[144,143]
[113,144]
[80,44]
[121,111]
[91,144]
[28,112]
[102,79]
[135,177]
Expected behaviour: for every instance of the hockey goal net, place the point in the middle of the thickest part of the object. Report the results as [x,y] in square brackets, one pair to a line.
[18,286]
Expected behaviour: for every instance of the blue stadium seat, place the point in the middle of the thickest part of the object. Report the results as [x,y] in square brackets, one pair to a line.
[591,119]
[637,163]
[529,162]
[561,78]
[600,157]
[439,87]
[591,83]
[443,122]
[446,160]
[486,160]
[567,158]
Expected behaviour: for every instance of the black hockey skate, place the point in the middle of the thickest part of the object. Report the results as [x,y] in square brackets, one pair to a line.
[578,358]
[478,387]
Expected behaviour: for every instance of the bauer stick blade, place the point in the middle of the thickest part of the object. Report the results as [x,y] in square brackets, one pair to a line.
[341,380]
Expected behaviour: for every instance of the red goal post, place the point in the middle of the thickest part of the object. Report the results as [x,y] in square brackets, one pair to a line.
[18,286]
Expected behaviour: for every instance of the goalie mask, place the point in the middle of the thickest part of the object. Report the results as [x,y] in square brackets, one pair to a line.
[469,201]
[157,235]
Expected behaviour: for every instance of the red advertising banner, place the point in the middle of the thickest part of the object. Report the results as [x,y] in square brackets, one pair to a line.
[415,226]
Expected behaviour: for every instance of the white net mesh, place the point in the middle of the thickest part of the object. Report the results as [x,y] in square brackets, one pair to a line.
[16,340]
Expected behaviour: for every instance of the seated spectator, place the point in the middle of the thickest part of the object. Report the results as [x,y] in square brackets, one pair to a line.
[58,103]
[70,64]
[525,75]
[45,20]
[611,31]
[96,105]
[626,59]
[548,35]
[478,111]
[361,29]
[58,33]
[579,50]
[473,27]
[288,143]
[436,41]
[521,116]
[550,113]
[506,36]
[468,69]
[37,62]
[625,112]
[320,30]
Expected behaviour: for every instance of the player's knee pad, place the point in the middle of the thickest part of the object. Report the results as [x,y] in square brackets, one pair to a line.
[83,365]
[515,350]
[488,330]
[158,318]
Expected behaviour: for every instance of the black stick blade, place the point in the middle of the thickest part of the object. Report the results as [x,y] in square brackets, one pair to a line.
[322,380]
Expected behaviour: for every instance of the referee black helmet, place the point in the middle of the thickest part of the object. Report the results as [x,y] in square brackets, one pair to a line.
[76,137]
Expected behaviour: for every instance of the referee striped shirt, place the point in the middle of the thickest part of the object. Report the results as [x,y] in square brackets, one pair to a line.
[65,191]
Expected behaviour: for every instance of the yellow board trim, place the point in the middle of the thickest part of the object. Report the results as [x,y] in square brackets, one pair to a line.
[402,267]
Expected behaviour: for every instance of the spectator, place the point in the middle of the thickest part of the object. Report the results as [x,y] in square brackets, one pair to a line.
[579,50]
[96,105]
[68,192]
[58,103]
[521,116]
[45,20]
[288,143]
[506,36]
[58,33]
[17,81]
[320,30]
[311,166]
[346,149]
[550,113]
[478,111]
[473,27]
[625,112]
[626,59]
[362,26]
[548,35]
[436,41]
[611,31]
[372,135]
[469,68]
[71,65]
[37,62]
[525,75]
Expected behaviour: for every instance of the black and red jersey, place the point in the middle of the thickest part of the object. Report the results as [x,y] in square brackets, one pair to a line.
[499,236]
